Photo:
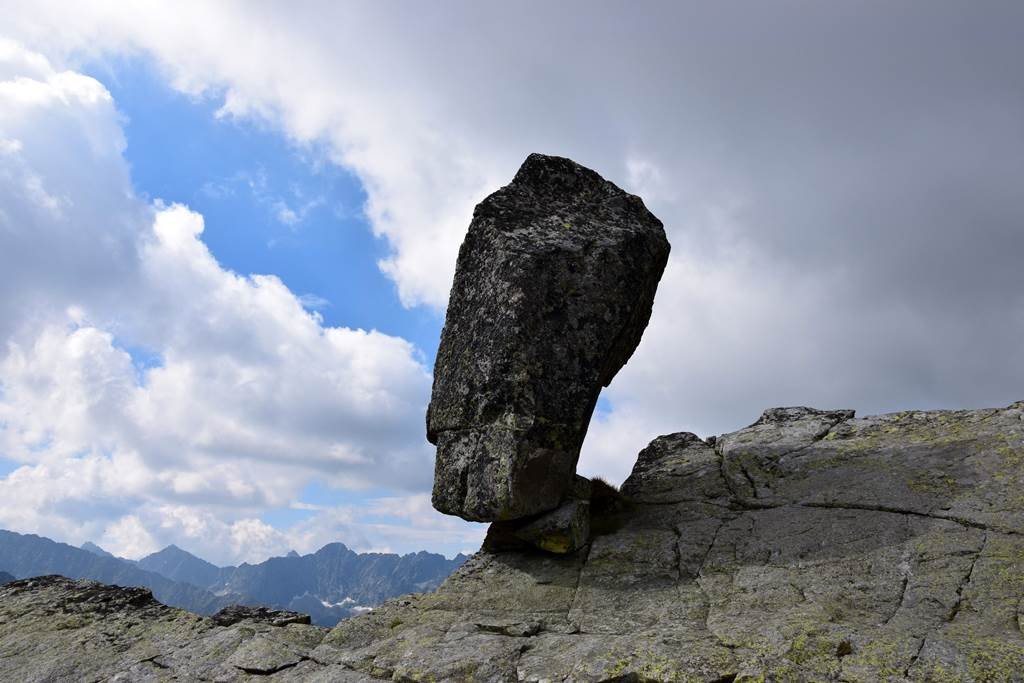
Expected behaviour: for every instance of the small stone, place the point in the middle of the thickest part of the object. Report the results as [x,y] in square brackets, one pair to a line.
[563,530]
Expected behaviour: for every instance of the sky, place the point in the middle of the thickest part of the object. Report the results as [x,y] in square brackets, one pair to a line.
[228,232]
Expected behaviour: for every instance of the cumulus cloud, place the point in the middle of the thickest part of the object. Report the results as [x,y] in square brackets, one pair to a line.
[842,185]
[67,229]
[149,394]
[130,537]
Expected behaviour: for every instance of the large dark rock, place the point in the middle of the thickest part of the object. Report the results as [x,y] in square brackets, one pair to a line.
[553,290]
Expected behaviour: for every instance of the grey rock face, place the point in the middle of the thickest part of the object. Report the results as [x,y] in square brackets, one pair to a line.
[676,468]
[553,290]
[812,546]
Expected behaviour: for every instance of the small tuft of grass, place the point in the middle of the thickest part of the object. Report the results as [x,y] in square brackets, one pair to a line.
[605,503]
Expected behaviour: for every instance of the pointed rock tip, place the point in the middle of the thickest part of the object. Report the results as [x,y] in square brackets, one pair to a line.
[794,413]
[544,172]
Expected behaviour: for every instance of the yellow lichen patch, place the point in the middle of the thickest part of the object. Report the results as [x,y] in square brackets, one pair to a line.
[933,483]
[1005,556]
[555,543]
[937,673]
[649,666]
[993,660]
[815,651]
[884,658]
[70,622]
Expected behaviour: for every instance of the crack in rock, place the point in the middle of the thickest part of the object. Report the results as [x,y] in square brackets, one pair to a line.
[965,582]
[915,656]
[152,660]
[579,580]
[905,566]
[270,672]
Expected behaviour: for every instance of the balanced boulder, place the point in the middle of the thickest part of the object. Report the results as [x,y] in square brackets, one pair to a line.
[553,289]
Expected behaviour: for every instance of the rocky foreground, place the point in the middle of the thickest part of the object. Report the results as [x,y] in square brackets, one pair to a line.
[811,546]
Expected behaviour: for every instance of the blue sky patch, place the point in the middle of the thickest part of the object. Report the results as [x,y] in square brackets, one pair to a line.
[269,206]
[7,466]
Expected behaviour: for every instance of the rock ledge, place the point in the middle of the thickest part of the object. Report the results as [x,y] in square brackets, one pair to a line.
[810,546]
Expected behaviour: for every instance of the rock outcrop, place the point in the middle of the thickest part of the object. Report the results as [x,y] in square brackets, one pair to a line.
[58,629]
[811,546]
[553,289]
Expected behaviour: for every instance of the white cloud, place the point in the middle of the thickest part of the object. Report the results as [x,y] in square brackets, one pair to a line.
[129,537]
[251,397]
[313,302]
[290,212]
[294,216]
[286,214]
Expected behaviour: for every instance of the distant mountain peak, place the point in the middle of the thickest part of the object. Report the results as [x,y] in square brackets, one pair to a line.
[336,548]
[181,565]
[336,545]
[331,584]
[91,547]
[171,550]
[30,555]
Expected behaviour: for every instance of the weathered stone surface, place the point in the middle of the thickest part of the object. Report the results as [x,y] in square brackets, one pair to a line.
[811,546]
[676,468]
[57,629]
[553,290]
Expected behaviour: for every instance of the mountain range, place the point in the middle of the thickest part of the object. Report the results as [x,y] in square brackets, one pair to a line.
[331,584]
